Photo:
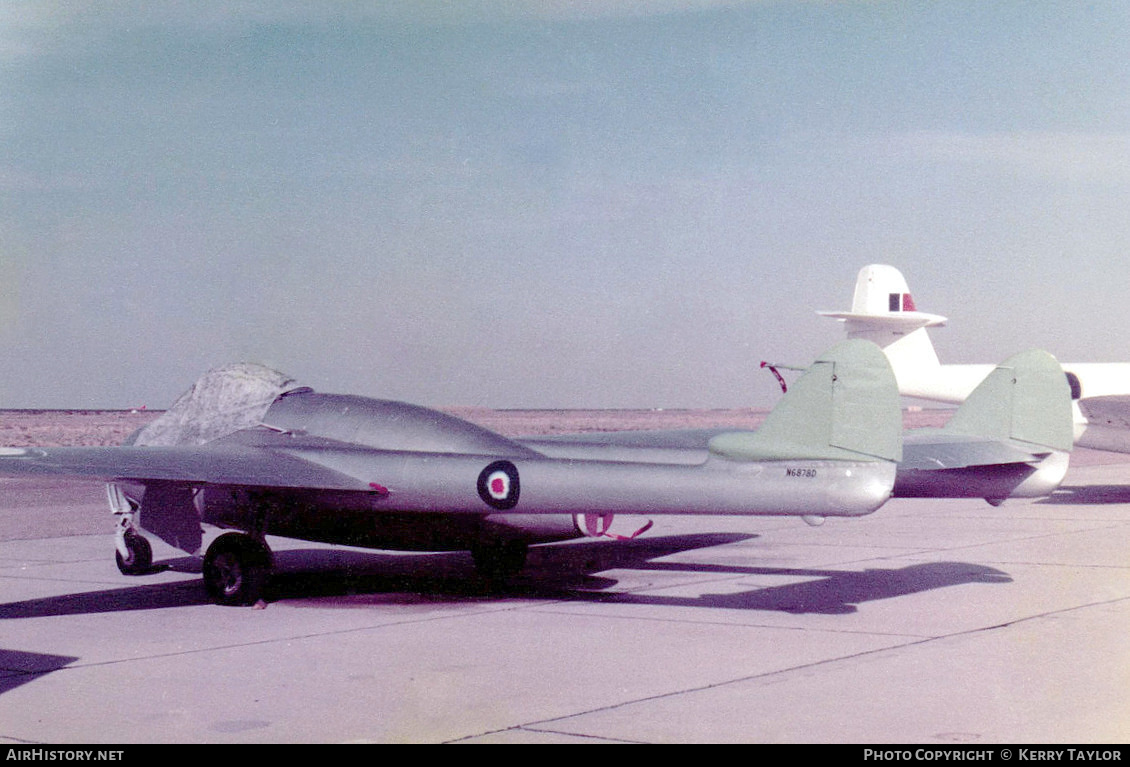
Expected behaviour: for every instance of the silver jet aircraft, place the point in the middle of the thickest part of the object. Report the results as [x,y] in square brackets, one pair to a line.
[248,451]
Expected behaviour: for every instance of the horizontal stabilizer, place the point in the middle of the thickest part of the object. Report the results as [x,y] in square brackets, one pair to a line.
[845,407]
[938,449]
[882,304]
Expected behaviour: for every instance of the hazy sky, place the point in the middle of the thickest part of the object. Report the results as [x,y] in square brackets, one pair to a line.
[547,204]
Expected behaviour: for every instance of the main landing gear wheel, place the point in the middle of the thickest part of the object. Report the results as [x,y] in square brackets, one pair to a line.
[236,569]
[139,559]
[498,561]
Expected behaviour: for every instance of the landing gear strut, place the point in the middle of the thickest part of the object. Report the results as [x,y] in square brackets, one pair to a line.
[236,569]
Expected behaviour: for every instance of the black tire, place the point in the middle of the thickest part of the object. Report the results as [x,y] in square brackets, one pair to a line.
[236,569]
[140,559]
[499,561]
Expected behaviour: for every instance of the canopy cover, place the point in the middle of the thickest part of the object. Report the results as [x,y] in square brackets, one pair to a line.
[224,400]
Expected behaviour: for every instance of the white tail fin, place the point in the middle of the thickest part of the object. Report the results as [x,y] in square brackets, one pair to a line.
[883,312]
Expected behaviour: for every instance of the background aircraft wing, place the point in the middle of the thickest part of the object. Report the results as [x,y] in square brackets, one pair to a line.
[1110,410]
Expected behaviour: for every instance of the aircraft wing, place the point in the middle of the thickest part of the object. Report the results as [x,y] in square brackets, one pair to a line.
[215,464]
[1112,410]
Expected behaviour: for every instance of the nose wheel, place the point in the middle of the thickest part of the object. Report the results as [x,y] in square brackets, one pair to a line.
[236,569]
[138,557]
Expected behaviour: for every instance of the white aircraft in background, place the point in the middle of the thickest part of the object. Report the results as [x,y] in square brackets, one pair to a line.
[882,311]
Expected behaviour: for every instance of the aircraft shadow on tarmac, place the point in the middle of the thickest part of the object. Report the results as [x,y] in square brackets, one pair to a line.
[828,592]
[328,578]
[18,667]
[1088,494]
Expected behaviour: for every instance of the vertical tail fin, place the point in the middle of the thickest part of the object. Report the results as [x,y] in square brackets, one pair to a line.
[1026,398]
[883,312]
[845,407]
[881,290]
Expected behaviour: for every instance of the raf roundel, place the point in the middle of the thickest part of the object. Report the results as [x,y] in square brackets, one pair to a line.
[498,485]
